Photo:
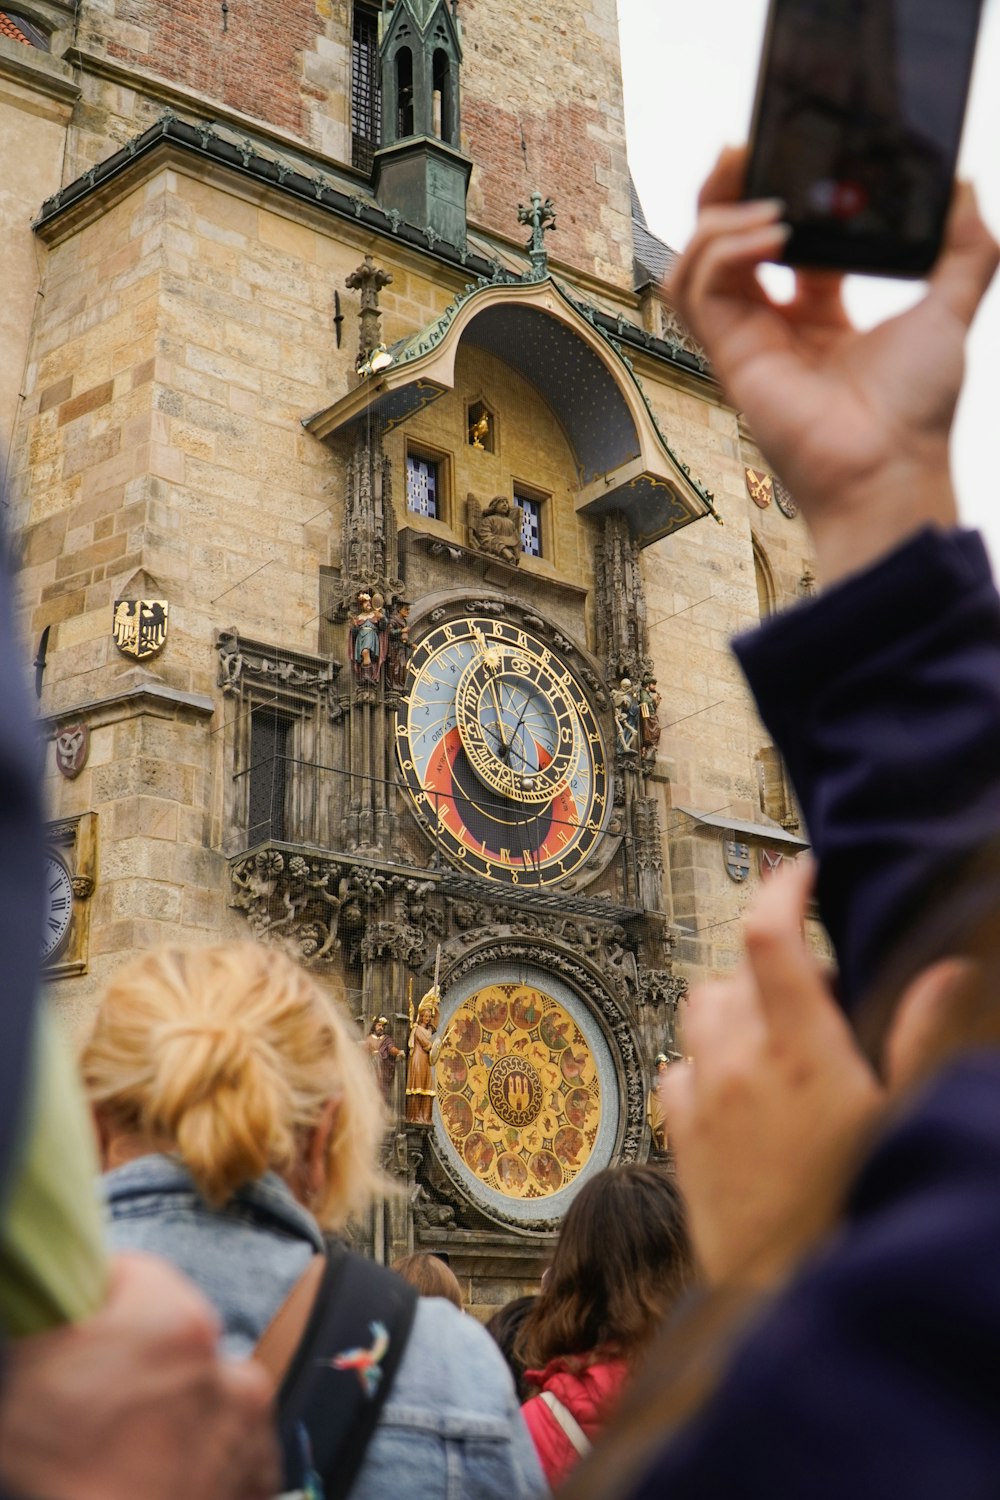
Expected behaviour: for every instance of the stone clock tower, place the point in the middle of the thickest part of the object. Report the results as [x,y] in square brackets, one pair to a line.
[366,493]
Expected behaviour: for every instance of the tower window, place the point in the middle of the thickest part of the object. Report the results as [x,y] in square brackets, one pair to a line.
[404,93]
[270,735]
[422,489]
[366,101]
[531,523]
[444,125]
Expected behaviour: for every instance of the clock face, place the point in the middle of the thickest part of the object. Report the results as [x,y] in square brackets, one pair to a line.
[58,907]
[528,1100]
[501,753]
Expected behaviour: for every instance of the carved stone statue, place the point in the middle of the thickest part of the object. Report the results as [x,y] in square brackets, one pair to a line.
[383,1053]
[368,633]
[399,645]
[649,722]
[425,1049]
[497,530]
[627,715]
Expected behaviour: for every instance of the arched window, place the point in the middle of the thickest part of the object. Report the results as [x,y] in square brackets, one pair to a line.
[404,92]
[766,596]
[444,124]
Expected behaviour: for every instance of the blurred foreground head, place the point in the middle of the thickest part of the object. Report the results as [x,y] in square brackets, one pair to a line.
[235,1060]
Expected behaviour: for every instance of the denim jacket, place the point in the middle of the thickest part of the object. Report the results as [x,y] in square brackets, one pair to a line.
[451,1428]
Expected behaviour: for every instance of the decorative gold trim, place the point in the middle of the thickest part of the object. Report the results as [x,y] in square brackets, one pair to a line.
[74,842]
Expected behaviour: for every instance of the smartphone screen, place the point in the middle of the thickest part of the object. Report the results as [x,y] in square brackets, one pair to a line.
[859,113]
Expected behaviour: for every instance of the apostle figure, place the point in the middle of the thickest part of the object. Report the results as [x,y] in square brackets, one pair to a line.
[425,1049]
[369,629]
[383,1053]
[399,645]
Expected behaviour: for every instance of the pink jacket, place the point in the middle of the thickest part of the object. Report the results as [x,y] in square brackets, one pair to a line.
[588,1391]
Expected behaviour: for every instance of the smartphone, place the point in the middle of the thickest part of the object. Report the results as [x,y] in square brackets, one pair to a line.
[857,125]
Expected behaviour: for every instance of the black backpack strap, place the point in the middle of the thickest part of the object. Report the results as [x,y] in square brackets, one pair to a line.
[337,1383]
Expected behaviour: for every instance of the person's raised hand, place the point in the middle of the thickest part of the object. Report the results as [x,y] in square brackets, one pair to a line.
[135,1404]
[768,1116]
[856,423]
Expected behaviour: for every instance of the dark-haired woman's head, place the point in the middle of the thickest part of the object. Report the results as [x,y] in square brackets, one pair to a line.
[504,1328]
[622,1261]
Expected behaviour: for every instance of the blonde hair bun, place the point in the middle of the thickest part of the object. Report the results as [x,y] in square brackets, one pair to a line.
[228,1056]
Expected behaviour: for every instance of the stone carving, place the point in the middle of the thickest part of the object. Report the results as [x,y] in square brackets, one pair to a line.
[627,713]
[428,1213]
[648,837]
[368,550]
[72,749]
[369,279]
[672,330]
[649,722]
[398,645]
[622,627]
[497,529]
[393,940]
[662,988]
[238,661]
[422,911]
[291,903]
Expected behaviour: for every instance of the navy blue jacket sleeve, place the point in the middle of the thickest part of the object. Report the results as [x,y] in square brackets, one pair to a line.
[883,696]
[875,1374]
[20,881]
[20,892]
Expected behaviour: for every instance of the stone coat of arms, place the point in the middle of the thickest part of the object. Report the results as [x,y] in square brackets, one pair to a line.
[737,857]
[72,748]
[140,626]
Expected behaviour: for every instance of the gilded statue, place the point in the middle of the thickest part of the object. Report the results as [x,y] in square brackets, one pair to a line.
[655,1117]
[425,1049]
[497,529]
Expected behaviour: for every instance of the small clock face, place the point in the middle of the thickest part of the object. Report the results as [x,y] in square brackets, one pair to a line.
[501,753]
[58,907]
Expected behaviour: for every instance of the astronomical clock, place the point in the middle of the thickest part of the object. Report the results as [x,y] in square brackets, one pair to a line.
[503,756]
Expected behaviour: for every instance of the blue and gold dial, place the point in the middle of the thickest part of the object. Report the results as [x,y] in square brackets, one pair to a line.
[500,750]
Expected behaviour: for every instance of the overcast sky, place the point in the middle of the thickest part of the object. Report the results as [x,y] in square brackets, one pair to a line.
[690,68]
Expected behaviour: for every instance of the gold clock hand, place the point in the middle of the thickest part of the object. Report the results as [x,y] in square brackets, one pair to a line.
[491,660]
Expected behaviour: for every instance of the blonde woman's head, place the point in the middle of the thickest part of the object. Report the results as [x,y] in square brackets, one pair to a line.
[237,1061]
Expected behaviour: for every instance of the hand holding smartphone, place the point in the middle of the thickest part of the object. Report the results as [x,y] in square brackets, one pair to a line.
[857,124]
